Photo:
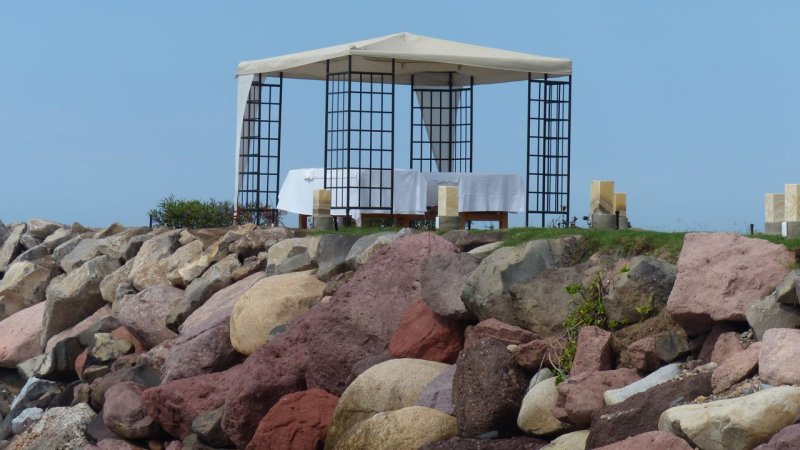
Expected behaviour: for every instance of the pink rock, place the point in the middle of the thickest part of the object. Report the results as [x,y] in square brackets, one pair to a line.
[727,345]
[144,314]
[206,352]
[423,334]
[736,367]
[537,353]
[779,357]
[114,444]
[124,414]
[21,335]
[593,352]
[501,331]
[720,274]
[217,309]
[581,395]
[710,342]
[652,440]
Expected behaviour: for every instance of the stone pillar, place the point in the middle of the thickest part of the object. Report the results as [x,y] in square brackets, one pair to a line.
[621,206]
[321,210]
[601,205]
[447,218]
[791,211]
[773,213]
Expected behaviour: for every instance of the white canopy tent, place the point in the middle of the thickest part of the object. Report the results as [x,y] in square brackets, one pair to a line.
[397,59]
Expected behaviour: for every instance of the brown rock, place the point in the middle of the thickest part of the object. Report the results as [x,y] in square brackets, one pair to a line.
[582,395]
[443,279]
[779,356]
[501,331]
[736,368]
[786,439]
[720,274]
[639,413]
[142,375]
[515,443]
[652,440]
[125,335]
[650,353]
[207,352]
[298,421]
[593,352]
[423,334]
[124,414]
[21,336]
[538,353]
[488,388]
[217,309]
[623,338]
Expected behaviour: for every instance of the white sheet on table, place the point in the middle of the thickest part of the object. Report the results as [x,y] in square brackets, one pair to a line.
[478,191]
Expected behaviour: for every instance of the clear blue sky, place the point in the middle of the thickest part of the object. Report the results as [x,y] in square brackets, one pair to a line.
[693,108]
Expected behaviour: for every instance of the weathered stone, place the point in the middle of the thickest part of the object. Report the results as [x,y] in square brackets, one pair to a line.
[720,274]
[575,440]
[542,374]
[99,321]
[201,289]
[85,250]
[28,242]
[425,335]
[593,351]
[217,309]
[63,249]
[25,419]
[536,413]
[298,420]
[485,250]
[120,245]
[786,439]
[734,424]
[57,428]
[582,395]
[11,247]
[182,256]
[269,303]
[111,230]
[58,363]
[515,443]
[332,254]
[367,246]
[57,238]
[208,427]
[206,352]
[497,330]
[735,368]
[259,240]
[109,287]
[537,353]
[779,356]
[250,266]
[438,394]
[23,285]
[142,375]
[21,336]
[105,348]
[33,389]
[721,342]
[41,229]
[443,280]
[150,267]
[646,287]
[292,255]
[124,413]
[769,313]
[132,247]
[76,295]
[662,375]
[144,314]
[404,429]
[652,440]
[649,353]
[786,292]
[469,241]
[488,388]
[388,386]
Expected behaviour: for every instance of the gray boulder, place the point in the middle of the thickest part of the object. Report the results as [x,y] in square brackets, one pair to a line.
[443,279]
[438,394]
[110,230]
[769,313]
[367,246]
[201,289]
[117,245]
[30,392]
[63,249]
[212,254]
[292,255]
[23,285]
[32,254]
[85,250]
[11,247]
[28,241]
[641,291]
[332,255]
[61,428]
[109,287]
[57,238]
[25,419]
[149,266]
[41,229]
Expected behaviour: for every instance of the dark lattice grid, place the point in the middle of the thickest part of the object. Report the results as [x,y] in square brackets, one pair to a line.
[359,139]
[441,127]
[259,158]
[549,119]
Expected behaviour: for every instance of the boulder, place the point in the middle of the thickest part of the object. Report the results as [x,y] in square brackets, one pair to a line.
[648,354]
[786,439]
[388,386]
[332,254]
[144,314]
[25,419]
[110,230]
[298,420]
[443,280]
[100,321]
[75,296]
[536,413]
[488,388]
[141,374]
[770,313]
[57,428]
[84,250]
[720,274]
[575,440]
[438,394]
[28,242]
[779,356]
[500,331]
[542,374]
[292,255]
[721,342]
[367,246]
[538,353]
[24,284]
[251,265]
[22,336]
[124,413]
[66,247]
[652,440]
[269,303]
[404,429]
[425,335]
[28,396]
[485,250]
[123,245]
[582,395]
[469,241]
[110,286]
[734,424]
[321,347]
[625,337]
[182,256]
[150,267]
[105,349]
[34,253]
[641,291]
[217,309]
[11,247]
[259,240]
[786,292]
[662,375]
[208,427]
[213,253]
[206,352]
[57,238]
[201,289]
[736,368]
[41,229]
[593,351]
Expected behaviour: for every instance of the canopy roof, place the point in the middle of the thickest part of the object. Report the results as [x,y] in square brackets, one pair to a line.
[413,54]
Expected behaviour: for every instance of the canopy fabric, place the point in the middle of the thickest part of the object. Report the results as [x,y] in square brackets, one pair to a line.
[412,54]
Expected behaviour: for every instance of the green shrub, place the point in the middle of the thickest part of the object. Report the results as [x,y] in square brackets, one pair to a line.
[180,213]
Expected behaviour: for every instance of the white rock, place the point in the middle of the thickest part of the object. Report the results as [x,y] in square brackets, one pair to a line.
[662,375]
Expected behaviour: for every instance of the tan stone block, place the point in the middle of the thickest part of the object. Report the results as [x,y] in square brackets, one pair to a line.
[621,203]
[773,207]
[448,201]
[322,202]
[791,198]
[601,198]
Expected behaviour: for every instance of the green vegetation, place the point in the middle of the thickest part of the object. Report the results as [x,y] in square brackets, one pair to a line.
[354,230]
[181,213]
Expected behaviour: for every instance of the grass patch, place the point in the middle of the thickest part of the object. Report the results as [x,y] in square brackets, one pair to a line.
[354,231]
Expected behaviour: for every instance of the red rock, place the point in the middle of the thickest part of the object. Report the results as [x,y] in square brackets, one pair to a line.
[124,334]
[649,353]
[711,339]
[652,440]
[786,439]
[736,368]
[423,334]
[298,421]
[779,357]
[508,334]
[720,274]
[593,352]
[537,353]
[727,344]
[320,348]
[124,414]
[22,334]
[79,362]
[581,395]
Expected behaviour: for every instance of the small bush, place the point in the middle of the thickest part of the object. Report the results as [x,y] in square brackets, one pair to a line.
[180,213]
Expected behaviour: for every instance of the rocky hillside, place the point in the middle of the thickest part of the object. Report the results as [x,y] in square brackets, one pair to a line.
[265,338]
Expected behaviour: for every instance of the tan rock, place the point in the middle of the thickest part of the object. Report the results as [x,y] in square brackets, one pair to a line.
[149,267]
[536,414]
[404,429]
[570,441]
[24,284]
